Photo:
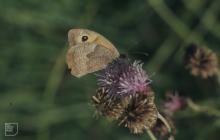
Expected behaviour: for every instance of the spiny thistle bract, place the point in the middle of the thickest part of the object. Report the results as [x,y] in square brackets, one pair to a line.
[123,78]
[140,114]
[201,61]
[107,106]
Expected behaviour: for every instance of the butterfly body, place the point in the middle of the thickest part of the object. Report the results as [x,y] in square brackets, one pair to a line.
[88,52]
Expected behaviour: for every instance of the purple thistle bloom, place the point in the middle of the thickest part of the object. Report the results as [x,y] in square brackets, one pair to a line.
[122,78]
[174,103]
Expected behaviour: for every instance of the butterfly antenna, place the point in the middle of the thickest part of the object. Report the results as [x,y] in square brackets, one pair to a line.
[142,53]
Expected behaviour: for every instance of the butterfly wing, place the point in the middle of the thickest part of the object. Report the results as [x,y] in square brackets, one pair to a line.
[90,54]
[99,58]
[77,59]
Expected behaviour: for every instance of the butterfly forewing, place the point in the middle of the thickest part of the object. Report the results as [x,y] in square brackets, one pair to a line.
[92,53]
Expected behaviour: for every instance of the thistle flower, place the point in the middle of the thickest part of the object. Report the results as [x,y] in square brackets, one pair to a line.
[127,96]
[111,108]
[123,78]
[201,61]
[140,113]
[174,103]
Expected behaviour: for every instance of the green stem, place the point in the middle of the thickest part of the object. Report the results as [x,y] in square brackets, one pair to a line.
[164,121]
[202,109]
[167,15]
[52,86]
[55,78]
[167,125]
[151,135]
[162,54]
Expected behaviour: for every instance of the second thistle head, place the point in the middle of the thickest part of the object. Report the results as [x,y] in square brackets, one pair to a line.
[123,78]
[201,61]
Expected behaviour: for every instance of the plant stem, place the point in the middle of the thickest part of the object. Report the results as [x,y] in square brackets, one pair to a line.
[151,135]
[167,125]
[171,138]
[164,121]
[55,78]
[203,109]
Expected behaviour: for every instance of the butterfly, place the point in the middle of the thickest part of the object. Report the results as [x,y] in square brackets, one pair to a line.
[88,52]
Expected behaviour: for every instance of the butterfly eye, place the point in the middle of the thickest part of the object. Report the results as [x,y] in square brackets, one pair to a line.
[84,38]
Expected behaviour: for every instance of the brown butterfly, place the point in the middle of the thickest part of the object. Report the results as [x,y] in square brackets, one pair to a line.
[88,52]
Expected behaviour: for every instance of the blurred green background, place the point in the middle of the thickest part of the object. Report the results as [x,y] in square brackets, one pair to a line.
[38,92]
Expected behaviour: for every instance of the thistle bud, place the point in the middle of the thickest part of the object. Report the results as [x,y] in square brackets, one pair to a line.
[174,103]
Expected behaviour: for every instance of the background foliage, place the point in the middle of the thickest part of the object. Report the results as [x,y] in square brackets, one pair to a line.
[37,91]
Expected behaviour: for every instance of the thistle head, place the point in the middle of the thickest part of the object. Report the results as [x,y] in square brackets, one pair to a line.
[123,78]
[106,106]
[140,113]
[201,61]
